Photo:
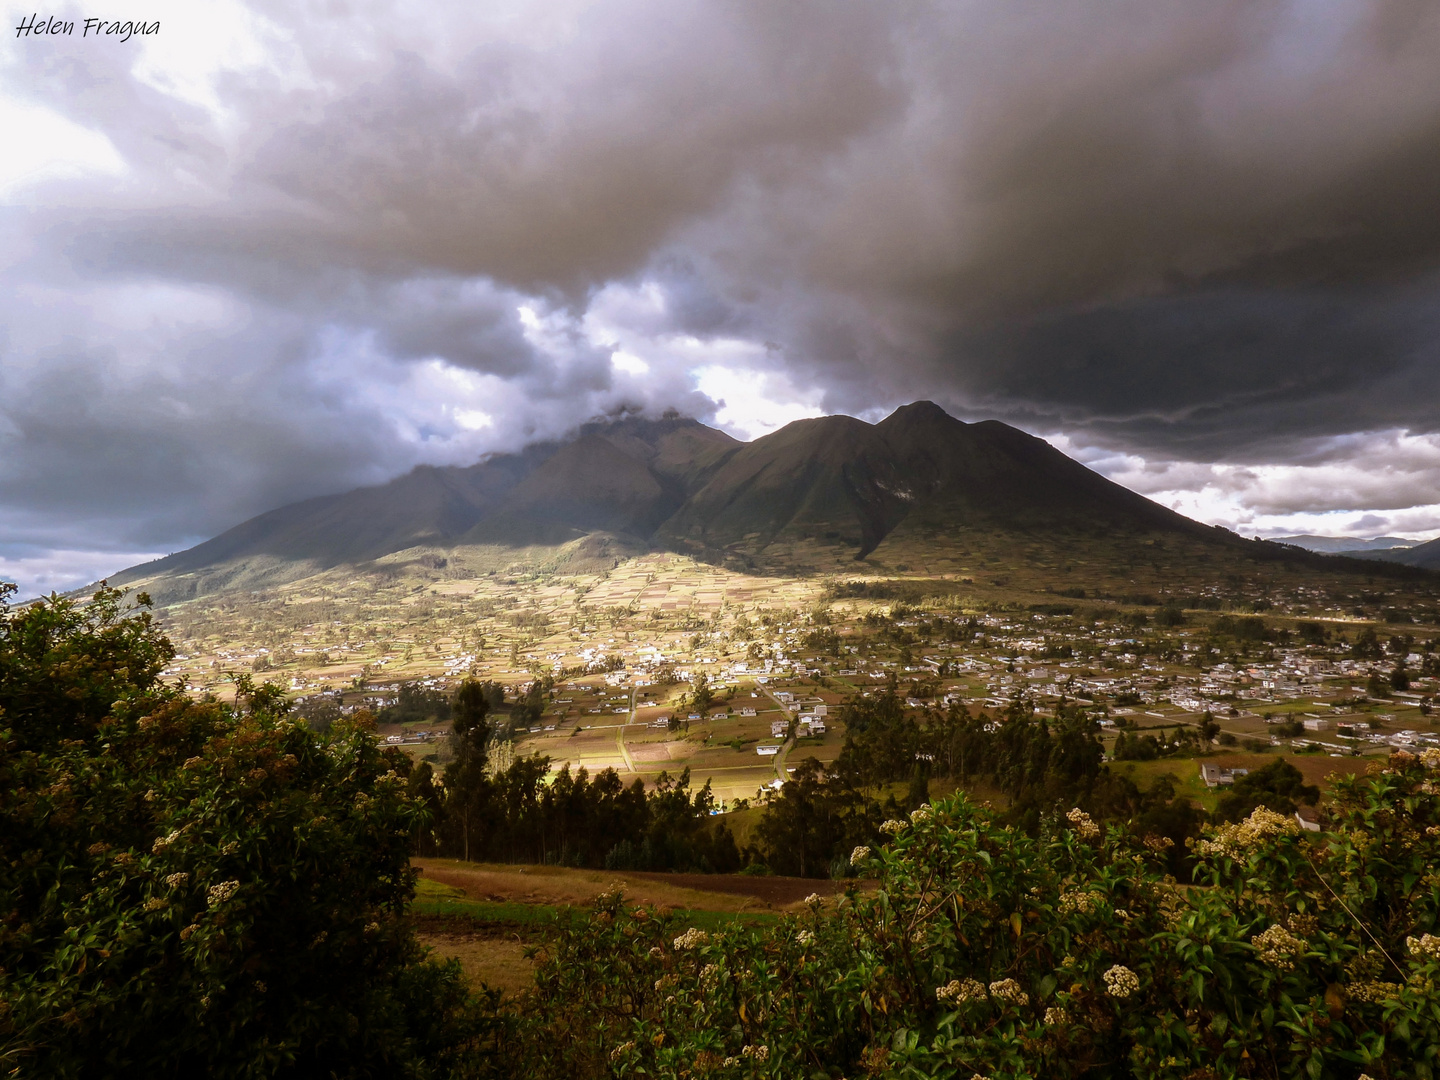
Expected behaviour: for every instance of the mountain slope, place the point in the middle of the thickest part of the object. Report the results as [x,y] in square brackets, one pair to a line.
[839,479]
[818,492]
[1426,556]
[624,477]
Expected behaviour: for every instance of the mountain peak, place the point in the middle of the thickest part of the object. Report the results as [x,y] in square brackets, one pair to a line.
[918,412]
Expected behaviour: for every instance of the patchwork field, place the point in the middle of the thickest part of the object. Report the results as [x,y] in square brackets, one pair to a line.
[487,916]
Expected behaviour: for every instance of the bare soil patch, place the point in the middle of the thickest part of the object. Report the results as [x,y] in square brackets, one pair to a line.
[488,955]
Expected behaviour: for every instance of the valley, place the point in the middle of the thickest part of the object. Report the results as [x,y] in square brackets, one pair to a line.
[653,596]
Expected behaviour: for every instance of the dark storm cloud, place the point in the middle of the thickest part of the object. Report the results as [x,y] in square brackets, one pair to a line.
[1191,230]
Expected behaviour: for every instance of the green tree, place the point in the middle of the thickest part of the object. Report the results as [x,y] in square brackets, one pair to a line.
[465,784]
[1208,728]
[1278,786]
[701,695]
[191,889]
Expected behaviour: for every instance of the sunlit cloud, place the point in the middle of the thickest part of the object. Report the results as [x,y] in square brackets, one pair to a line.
[754,403]
[42,145]
[1364,484]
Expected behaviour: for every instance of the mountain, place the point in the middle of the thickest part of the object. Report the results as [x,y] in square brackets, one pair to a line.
[840,479]
[1426,556]
[621,478]
[1335,545]
[817,493]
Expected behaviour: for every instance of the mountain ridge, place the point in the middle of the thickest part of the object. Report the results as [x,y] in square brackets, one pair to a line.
[1343,545]
[820,492]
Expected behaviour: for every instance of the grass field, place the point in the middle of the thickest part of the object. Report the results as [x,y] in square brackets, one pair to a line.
[488,915]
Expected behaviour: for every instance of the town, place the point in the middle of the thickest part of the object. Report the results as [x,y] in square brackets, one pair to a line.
[663,664]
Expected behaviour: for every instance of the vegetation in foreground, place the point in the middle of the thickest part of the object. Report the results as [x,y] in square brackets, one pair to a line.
[985,951]
[191,888]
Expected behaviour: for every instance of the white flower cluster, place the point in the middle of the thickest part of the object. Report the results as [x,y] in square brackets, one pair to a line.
[1373,991]
[814,901]
[1008,990]
[1056,1016]
[710,976]
[1078,902]
[1425,947]
[691,939]
[177,880]
[756,1053]
[163,842]
[1431,757]
[1083,824]
[613,893]
[218,894]
[922,814]
[893,827]
[805,937]
[1235,841]
[156,904]
[955,992]
[1121,982]
[1304,925]
[1278,947]
[621,1050]
[859,855]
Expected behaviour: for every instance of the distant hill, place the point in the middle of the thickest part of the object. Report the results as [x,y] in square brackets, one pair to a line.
[1426,555]
[820,492]
[1336,545]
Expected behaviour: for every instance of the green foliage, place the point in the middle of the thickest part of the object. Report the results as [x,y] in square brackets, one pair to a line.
[417,705]
[1377,686]
[574,819]
[1367,645]
[190,889]
[1137,747]
[702,696]
[820,813]
[1278,786]
[1244,628]
[983,950]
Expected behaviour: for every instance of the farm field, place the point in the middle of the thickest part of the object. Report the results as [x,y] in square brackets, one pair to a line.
[488,915]
[618,655]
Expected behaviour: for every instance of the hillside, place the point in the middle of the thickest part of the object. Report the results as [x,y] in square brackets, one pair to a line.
[1425,556]
[815,496]
[1345,545]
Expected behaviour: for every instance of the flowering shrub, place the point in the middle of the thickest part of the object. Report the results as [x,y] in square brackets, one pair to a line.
[188,889]
[982,950]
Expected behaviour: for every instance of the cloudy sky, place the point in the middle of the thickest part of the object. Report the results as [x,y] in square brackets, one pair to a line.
[281,249]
